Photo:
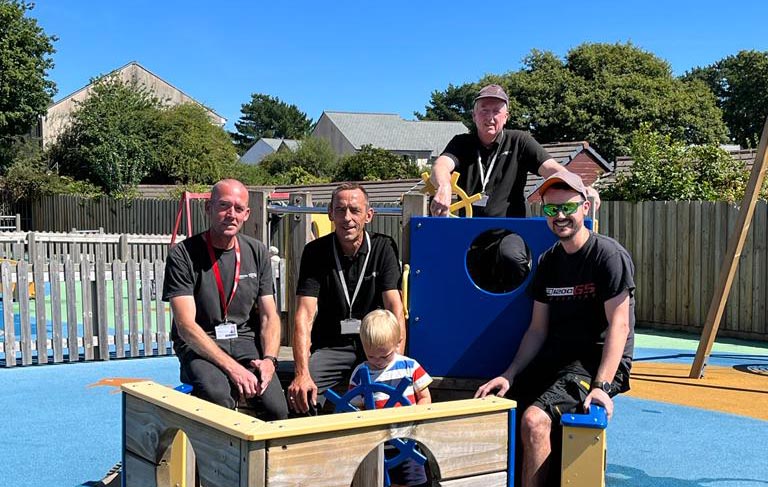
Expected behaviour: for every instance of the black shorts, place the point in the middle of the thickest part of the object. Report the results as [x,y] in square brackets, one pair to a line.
[558,386]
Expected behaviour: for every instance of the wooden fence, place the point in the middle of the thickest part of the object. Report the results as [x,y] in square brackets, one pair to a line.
[82,311]
[90,245]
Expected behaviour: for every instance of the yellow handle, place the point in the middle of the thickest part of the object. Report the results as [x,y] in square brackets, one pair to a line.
[406,275]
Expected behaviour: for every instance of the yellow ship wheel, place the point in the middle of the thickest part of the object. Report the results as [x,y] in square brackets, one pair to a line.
[464,201]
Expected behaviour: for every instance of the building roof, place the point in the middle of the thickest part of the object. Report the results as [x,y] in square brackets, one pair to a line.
[131,69]
[564,153]
[389,131]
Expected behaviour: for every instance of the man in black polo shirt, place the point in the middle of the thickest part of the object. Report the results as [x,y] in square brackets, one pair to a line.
[226,330]
[494,162]
[343,276]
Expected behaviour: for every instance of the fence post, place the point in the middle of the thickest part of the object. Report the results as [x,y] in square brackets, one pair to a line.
[299,231]
[31,247]
[258,203]
[413,205]
[18,222]
[123,248]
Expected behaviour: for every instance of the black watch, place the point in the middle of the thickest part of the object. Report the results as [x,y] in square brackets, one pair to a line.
[272,358]
[602,385]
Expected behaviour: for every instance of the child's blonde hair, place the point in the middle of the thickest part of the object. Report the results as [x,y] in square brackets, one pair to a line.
[380,329]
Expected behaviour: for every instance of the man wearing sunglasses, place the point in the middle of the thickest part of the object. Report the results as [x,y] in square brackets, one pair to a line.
[578,347]
[494,162]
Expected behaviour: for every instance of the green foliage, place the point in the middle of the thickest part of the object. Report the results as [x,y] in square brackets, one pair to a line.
[453,104]
[113,137]
[190,148]
[666,170]
[374,164]
[267,116]
[25,57]
[314,156]
[600,93]
[740,84]
[28,176]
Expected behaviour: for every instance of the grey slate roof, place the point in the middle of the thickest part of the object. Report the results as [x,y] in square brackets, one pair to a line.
[389,131]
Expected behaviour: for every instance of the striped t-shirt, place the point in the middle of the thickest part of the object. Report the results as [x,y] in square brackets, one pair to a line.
[400,367]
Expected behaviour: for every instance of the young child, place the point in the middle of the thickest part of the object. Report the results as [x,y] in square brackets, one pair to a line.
[380,335]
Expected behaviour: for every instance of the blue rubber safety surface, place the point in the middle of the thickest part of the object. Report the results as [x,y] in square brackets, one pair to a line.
[59,432]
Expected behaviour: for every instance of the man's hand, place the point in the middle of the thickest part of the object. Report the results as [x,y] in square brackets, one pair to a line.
[441,202]
[500,383]
[598,396]
[265,371]
[245,381]
[301,393]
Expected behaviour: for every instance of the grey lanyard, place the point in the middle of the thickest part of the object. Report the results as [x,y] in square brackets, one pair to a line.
[359,279]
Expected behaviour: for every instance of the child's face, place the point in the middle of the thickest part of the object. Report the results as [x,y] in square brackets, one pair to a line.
[380,357]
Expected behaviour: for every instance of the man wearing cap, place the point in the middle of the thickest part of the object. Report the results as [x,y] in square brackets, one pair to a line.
[494,162]
[578,347]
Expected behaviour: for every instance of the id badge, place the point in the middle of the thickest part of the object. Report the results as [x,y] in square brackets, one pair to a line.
[226,330]
[481,202]
[350,326]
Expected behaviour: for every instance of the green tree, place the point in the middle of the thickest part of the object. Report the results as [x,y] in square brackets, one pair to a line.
[453,104]
[374,164]
[601,93]
[314,156]
[666,170]
[25,57]
[267,116]
[740,84]
[190,148]
[113,137]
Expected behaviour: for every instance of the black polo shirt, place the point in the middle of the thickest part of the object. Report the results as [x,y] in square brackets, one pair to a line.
[188,272]
[517,154]
[319,278]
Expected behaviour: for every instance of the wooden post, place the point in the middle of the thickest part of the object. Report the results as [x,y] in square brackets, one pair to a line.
[413,205]
[299,232]
[32,247]
[123,250]
[731,262]
[18,222]
[260,227]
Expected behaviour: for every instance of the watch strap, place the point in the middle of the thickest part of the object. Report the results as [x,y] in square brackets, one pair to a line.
[272,358]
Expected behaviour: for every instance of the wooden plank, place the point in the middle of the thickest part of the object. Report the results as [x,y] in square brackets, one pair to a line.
[744,280]
[461,446]
[299,232]
[760,249]
[254,473]
[735,245]
[658,263]
[102,324]
[117,291]
[41,319]
[86,292]
[684,253]
[370,472]
[73,352]
[138,472]
[146,308]
[498,479]
[646,262]
[9,332]
[133,311]
[57,331]
[217,453]
[160,313]
[22,287]
[696,262]
[413,205]
[671,276]
[731,319]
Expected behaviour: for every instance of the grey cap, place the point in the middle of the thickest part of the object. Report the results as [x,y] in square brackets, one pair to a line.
[493,91]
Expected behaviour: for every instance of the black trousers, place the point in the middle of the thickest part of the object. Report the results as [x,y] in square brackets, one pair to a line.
[209,382]
[331,366]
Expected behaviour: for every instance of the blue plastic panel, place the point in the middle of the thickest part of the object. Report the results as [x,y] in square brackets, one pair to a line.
[455,328]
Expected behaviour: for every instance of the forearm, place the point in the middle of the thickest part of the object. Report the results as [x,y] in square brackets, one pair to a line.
[617,314]
[302,341]
[529,347]
[270,334]
[441,171]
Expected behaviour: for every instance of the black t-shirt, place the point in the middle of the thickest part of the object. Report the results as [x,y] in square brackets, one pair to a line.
[517,154]
[188,272]
[576,287]
[319,278]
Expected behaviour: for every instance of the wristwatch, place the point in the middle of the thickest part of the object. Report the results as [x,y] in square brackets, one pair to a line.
[272,358]
[602,385]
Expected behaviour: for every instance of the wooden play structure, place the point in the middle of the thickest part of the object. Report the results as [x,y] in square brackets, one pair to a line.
[173,439]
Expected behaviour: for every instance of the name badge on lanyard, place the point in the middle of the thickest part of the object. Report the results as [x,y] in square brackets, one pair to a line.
[227,329]
[485,177]
[351,326]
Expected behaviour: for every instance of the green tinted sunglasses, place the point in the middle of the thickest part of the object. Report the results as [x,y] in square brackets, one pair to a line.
[567,208]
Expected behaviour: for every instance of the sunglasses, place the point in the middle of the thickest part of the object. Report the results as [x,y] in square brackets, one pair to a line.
[567,208]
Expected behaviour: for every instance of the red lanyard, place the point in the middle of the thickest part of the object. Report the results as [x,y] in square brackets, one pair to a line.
[219,284]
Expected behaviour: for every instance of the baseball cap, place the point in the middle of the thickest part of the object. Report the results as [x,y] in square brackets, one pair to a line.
[493,91]
[568,178]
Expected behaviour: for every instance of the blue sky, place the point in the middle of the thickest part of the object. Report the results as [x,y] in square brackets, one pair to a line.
[385,56]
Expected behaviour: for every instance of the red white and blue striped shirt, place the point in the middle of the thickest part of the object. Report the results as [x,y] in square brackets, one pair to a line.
[400,368]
